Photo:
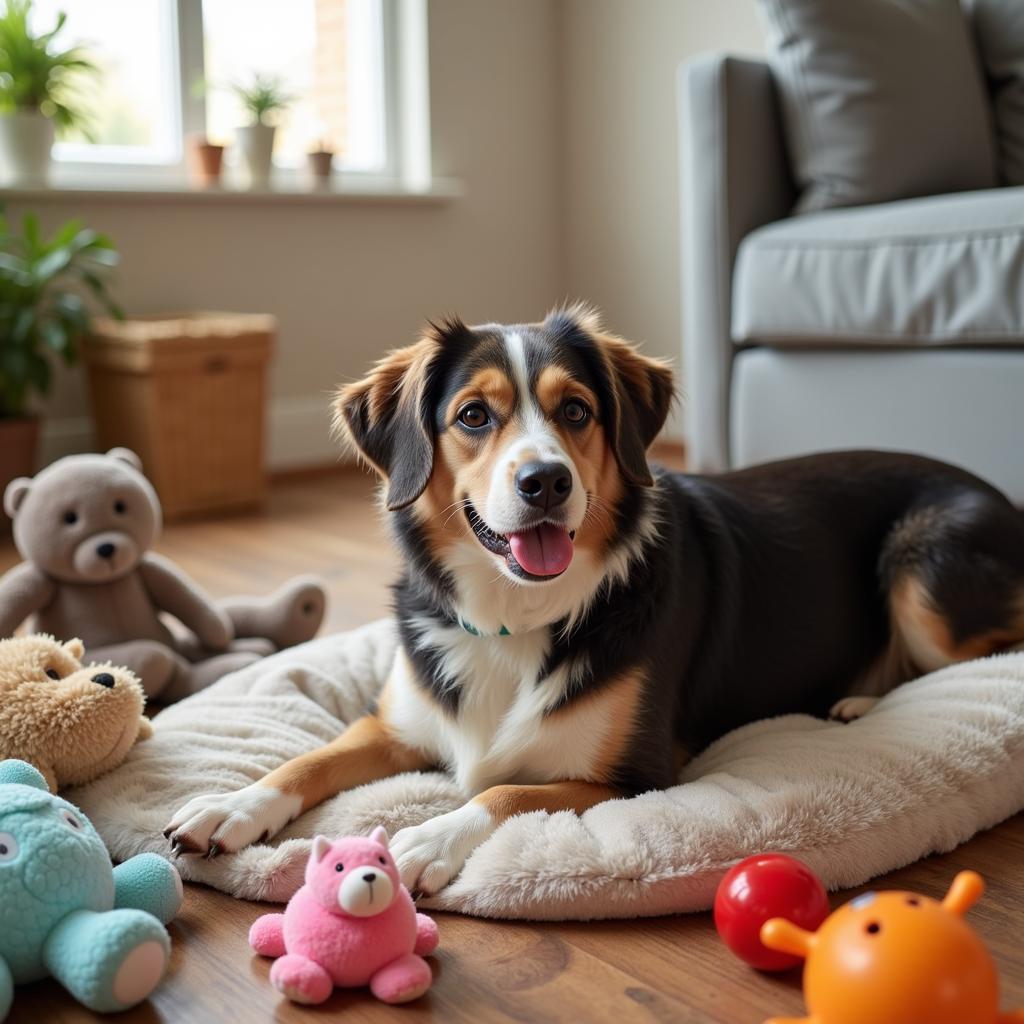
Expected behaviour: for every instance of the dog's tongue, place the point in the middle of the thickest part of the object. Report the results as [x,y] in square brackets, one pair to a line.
[545,550]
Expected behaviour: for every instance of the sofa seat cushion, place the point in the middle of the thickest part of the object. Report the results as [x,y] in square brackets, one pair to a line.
[946,270]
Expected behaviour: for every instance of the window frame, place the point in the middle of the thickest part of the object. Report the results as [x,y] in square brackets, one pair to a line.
[405,109]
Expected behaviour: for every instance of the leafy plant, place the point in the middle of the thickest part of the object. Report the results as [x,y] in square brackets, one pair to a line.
[35,73]
[262,96]
[44,307]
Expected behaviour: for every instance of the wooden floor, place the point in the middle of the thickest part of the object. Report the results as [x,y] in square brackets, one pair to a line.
[666,969]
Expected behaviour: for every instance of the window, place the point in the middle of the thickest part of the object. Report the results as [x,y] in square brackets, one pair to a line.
[132,108]
[167,67]
[327,55]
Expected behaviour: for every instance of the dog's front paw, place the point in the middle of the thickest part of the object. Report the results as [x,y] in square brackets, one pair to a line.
[225,822]
[430,855]
[849,709]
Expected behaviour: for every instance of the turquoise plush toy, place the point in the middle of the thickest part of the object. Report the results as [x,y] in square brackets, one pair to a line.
[66,912]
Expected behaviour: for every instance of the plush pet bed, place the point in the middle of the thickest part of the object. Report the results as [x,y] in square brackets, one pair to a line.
[934,763]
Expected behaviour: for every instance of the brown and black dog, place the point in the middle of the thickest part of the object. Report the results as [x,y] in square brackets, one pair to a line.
[573,622]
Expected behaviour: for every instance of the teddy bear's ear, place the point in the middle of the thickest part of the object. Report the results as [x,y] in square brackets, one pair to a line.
[126,455]
[380,835]
[75,648]
[321,844]
[16,493]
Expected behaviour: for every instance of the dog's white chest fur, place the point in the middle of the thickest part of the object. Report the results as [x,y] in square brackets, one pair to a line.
[501,732]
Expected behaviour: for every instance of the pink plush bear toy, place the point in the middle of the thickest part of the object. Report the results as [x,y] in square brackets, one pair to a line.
[352,923]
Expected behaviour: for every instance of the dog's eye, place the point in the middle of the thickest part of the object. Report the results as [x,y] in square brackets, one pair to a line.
[53,673]
[474,416]
[575,411]
[120,507]
[71,517]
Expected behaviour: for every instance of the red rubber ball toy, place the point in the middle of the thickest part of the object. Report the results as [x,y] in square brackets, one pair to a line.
[762,887]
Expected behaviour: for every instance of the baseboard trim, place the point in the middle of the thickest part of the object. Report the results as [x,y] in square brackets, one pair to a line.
[299,435]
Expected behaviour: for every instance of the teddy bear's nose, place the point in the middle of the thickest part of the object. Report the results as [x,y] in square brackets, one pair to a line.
[106,550]
[370,876]
[103,678]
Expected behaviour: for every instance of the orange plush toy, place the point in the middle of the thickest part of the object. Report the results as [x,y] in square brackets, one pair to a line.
[896,958]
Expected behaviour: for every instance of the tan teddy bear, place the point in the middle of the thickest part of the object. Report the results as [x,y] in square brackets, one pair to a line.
[71,721]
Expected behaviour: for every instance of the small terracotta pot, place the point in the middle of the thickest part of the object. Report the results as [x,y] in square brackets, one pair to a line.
[19,439]
[319,163]
[205,161]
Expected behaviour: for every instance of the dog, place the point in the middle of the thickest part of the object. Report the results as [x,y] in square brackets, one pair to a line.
[575,625]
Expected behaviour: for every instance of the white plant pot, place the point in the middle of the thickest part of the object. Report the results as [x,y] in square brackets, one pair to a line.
[256,144]
[26,139]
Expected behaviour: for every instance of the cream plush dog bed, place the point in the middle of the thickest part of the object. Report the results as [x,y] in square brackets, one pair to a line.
[935,762]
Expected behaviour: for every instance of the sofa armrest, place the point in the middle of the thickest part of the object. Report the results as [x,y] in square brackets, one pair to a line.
[735,177]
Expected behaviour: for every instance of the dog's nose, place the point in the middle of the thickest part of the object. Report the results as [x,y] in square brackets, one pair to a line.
[544,484]
[370,876]
[106,550]
[104,679]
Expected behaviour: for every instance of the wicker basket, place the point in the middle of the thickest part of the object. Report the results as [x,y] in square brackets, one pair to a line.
[187,393]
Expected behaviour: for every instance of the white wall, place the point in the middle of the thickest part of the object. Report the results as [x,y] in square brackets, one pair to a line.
[350,281]
[560,118]
[621,135]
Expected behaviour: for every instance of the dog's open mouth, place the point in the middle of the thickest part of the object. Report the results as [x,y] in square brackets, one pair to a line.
[540,553]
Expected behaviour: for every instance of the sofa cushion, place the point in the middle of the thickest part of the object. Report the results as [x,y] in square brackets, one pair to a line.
[942,271]
[882,99]
[999,32]
[959,405]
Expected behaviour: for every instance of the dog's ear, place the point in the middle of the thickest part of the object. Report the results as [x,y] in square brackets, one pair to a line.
[387,418]
[642,392]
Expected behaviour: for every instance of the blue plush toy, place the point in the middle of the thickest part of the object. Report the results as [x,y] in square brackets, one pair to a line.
[66,912]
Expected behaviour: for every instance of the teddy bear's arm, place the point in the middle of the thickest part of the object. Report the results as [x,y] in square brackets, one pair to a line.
[172,591]
[427,936]
[151,883]
[23,592]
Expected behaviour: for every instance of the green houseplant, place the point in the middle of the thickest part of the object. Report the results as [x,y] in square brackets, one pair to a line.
[262,98]
[37,92]
[46,290]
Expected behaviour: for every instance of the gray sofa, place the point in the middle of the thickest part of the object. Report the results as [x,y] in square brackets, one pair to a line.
[899,325]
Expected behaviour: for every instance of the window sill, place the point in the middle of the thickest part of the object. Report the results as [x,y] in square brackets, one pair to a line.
[440,190]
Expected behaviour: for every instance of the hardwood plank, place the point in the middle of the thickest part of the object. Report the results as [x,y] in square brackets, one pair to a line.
[663,969]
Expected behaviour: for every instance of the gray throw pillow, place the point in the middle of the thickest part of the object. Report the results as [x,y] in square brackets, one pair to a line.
[999,30]
[882,99]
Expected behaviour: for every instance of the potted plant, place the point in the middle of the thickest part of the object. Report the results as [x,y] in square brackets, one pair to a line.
[37,81]
[262,97]
[44,313]
[206,159]
[320,161]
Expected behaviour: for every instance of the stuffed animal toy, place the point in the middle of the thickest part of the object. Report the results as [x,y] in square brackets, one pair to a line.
[84,526]
[352,923]
[71,722]
[66,911]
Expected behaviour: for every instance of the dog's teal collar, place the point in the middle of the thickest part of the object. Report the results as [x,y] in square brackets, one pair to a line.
[470,628]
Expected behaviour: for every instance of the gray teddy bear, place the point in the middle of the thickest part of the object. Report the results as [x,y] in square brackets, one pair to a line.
[84,526]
